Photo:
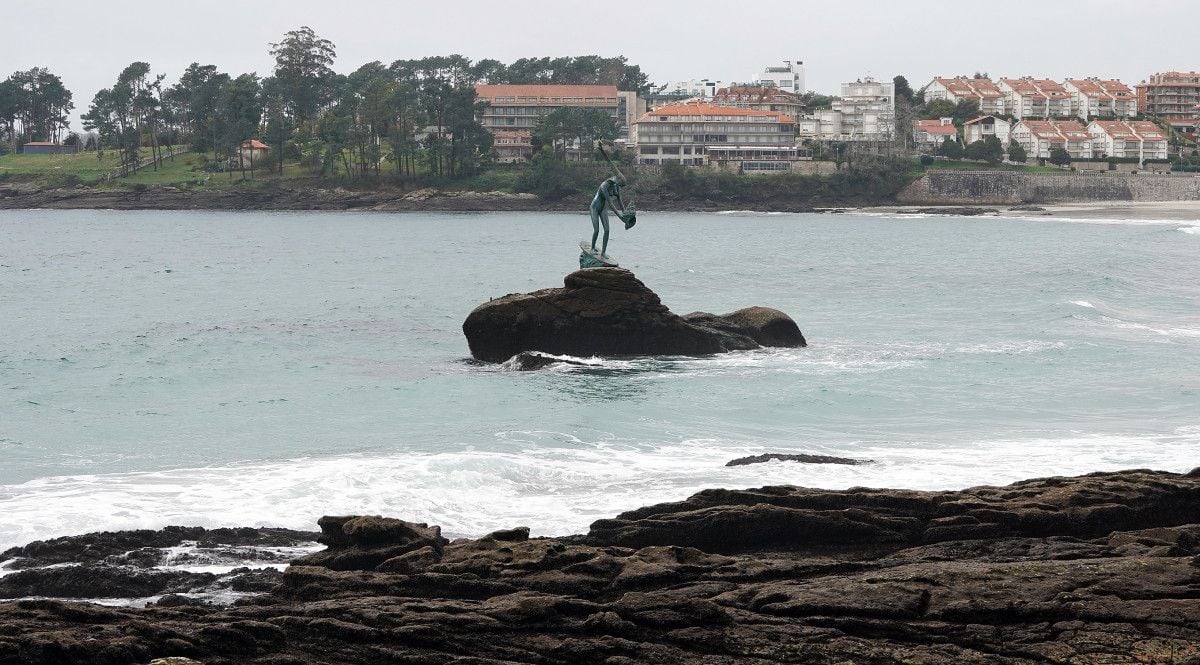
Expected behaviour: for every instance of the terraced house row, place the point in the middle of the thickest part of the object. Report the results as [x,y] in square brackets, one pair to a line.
[1126,139]
[1030,97]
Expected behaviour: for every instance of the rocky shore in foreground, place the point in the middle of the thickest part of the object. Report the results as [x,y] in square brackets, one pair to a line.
[1102,568]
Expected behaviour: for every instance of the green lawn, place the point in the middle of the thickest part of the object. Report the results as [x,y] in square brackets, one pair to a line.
[85,166]
[951,164]
[187,170]
[82,165]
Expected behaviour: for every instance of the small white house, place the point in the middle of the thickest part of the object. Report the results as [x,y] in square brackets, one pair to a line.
[985,126]
[934,132]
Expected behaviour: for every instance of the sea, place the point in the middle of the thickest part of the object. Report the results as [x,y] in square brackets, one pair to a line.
[268,368]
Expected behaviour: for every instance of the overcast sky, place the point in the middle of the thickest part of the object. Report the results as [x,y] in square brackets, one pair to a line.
[670,39]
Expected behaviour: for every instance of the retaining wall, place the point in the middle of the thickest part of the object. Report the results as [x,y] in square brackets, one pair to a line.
[947,187]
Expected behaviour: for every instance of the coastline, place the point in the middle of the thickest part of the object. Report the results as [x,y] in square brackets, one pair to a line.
[1083,569]
[337,199]
[434,200]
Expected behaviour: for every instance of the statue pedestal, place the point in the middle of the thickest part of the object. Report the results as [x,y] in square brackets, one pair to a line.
[590,258]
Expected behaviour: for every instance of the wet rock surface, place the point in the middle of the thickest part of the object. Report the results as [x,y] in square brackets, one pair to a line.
[1103,568]
[609,312]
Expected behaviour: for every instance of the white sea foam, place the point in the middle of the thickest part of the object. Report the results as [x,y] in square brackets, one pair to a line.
[1164,332]
[1083,303]
[554,489]
[1191,230]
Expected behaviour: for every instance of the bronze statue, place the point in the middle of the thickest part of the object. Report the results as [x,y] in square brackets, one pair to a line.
[608,197]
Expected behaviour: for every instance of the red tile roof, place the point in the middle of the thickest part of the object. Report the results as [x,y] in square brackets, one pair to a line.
[705,109]
[750,93]
[981,118]
[935,127]
[493,90]
[971,88]
[1138,129]
[254,143]
[1067,130]
[1031,87]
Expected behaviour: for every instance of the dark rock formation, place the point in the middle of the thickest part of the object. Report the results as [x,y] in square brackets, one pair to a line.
[1103,568]
[802,458]
[609,312]
[103,545]
[962,211]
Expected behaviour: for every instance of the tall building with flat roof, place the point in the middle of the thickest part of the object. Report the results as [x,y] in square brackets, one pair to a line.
[789,77]
[1172,96]
[865,111]
[513,110]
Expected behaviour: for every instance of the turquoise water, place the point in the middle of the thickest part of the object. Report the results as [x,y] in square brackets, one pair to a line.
[267,368]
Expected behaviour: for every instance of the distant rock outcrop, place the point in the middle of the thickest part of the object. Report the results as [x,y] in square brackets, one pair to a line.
[609,312]
[803,458]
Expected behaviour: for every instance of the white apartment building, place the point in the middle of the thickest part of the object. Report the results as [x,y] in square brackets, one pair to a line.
[1101,98]
[699,133]
[696,88]
[1135,138]
[1040,137]
[977,129]
[789,77]
[1035,98]
[981,90]
[866,111]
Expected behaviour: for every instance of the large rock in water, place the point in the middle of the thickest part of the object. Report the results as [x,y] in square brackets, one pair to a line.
[609,312]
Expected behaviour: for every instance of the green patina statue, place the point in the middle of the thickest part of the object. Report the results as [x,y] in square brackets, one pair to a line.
[608,197]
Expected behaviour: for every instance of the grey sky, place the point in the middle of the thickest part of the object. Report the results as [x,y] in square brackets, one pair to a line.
[670,39]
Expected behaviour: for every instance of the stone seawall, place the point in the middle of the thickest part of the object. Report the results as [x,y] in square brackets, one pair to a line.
[1011,188]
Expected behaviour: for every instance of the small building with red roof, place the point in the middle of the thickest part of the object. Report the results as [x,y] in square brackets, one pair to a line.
[252,154]
[934,132]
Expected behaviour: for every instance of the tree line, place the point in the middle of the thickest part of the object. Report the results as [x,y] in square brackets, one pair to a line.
[406,117]
[34,105]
